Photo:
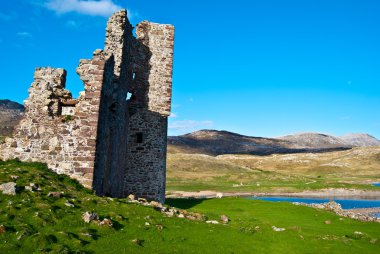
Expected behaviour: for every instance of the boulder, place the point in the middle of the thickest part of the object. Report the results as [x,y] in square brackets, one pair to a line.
[212,222]
[224,219]
[106,222]
[8,188]
[14,177]
[277,229]
[55,194]
[88,217]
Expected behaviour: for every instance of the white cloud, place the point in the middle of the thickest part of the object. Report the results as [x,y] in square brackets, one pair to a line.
[189,125]
[24,35]
[173,115]
[91,7]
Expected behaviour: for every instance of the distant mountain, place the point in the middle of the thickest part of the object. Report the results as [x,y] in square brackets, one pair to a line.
[360,139]
[214,142]
[10,114]
[314,140]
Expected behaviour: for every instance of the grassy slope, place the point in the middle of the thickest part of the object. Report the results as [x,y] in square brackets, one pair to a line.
[295,172]
[36,223]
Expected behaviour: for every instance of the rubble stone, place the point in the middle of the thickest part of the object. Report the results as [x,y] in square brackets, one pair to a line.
[8,188]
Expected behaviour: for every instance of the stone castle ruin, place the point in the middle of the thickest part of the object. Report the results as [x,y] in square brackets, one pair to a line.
[113,137]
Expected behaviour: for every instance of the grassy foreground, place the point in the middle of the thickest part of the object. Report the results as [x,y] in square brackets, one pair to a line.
[35,223]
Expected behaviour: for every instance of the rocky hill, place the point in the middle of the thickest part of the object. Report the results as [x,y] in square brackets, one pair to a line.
[10,114]
[360,139]
[214,142]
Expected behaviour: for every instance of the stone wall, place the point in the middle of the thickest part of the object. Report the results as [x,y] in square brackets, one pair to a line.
[110,142]
[149,108]
[66,144]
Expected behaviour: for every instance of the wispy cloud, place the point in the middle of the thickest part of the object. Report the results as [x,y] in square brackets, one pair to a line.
[91,7]
[173,115]
[189,125]
[24,35]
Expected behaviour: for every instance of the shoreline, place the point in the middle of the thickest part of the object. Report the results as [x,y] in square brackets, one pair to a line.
[323,193]
[363,214]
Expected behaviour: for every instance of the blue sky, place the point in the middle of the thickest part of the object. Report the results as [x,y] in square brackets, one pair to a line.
[261,68]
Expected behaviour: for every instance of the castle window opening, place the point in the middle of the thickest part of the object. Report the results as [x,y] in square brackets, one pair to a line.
[139,137]
[129,96]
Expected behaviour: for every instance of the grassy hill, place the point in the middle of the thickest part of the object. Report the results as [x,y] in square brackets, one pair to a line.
[33,222]
[355,168]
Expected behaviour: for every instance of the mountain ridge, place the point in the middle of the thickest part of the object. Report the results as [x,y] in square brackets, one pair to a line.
[10,114]
[215,142]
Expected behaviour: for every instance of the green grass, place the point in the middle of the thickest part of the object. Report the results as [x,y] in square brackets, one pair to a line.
[36,223]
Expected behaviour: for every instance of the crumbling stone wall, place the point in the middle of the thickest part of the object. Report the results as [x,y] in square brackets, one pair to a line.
[66,144]
[112,142]
[149,109]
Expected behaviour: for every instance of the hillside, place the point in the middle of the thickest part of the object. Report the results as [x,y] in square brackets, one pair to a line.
[45,216]
[356,168]
[360,139]
[10,114]
[214,142]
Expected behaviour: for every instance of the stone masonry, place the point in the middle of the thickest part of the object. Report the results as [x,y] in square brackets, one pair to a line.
[113,137]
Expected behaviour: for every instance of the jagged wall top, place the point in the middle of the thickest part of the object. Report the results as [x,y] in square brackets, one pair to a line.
[145,62]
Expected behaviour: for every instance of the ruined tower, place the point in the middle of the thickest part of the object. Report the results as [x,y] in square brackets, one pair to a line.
[113,137]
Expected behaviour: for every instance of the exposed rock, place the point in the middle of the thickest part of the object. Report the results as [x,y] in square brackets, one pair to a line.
[212,222]
[337,208]
[69,204]
[277,229]
[131,197]
[143,200]
[327,222]
[14,177]
[159,227]
[137,241]
[8,188]
[55,194]
[224,219]
[88,217]
[155,204]
[106,222]
[31,187]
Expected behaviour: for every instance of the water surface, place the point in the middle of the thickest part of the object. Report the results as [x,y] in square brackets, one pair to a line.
[345,203]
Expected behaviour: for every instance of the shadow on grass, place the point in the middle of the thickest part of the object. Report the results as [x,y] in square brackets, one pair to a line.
[183,203]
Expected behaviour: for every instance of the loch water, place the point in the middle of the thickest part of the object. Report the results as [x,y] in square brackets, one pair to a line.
[345,203]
